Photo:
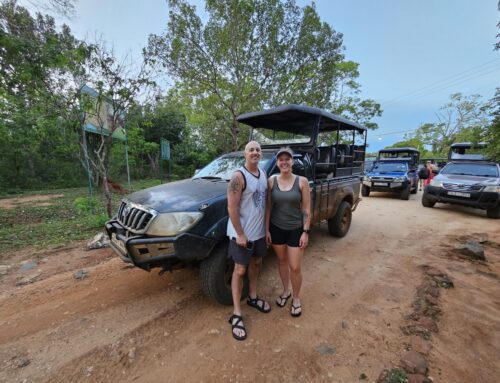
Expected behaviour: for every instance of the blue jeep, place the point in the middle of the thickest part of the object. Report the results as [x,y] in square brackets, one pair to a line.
[394,171]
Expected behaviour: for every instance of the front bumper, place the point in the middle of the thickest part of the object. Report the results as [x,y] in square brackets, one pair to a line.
[476,199]
[150,252]
[386,186]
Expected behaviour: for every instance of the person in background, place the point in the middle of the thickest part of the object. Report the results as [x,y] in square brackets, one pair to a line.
[246,203]
[288,218]
[423,174]
[428,166]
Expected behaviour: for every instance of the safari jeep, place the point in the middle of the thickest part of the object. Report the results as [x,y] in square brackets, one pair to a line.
[395,171]
[468,179]
[183,224]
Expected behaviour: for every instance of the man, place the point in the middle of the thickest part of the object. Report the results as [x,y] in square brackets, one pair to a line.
[246,196]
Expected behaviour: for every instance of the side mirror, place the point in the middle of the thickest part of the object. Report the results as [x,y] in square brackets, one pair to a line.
[196,171]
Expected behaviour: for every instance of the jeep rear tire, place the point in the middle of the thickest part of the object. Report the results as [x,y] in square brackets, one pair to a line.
[365,191]
[216,272]
[493,212]
[339,224]
[427,202]
[405,193]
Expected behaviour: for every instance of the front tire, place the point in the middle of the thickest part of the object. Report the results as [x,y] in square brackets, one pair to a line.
[405,194]
[339,224]
[365,191]
[415,189]
[427,202]
[216,272]
[493,213]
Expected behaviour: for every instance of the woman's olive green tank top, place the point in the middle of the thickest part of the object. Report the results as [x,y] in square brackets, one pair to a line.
[285,208]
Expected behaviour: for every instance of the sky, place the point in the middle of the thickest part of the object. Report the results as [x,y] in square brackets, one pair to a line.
[413,54]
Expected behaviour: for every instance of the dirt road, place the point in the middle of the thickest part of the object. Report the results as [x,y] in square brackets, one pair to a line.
[123,324]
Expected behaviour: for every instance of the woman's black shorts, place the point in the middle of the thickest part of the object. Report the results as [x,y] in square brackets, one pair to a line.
[285,237]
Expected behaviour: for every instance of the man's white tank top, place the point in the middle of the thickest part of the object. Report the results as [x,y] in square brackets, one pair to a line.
[252,206]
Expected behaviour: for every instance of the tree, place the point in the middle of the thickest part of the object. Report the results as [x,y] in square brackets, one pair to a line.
[117,86]
[64,8]
[459,115]
[250,54]
[37,100]
[492,132]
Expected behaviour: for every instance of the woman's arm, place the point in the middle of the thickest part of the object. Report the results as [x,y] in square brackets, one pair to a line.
[306,211]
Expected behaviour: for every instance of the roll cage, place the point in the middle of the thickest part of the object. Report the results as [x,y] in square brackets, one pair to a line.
[335,145]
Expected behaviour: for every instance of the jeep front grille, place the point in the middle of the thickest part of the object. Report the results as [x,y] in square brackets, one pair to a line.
[461,187]
[134,218]
[385,179]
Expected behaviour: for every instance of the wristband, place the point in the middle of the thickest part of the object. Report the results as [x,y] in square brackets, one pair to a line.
[305,231]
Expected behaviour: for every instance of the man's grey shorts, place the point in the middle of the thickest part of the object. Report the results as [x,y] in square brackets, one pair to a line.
[242,255]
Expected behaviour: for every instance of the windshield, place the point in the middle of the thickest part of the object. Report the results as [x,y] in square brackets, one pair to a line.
[480,170]
[382,167]
[275,137]
[223,167]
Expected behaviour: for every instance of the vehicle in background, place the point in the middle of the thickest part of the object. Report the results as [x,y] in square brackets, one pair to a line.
[183,224]
[468,179]
[368,164]
[395,171]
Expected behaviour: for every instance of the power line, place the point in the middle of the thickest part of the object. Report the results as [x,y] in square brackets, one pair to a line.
[469,74]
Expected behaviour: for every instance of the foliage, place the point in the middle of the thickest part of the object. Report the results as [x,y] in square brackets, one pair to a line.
[59,220]
[251,54]
[461,113]
[116,86]
[462,119]
[37,99]
[492,133]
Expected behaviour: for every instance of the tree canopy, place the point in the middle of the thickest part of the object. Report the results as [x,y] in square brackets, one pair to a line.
[252,54]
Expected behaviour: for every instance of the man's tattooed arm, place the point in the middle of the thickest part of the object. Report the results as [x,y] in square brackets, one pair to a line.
[234,185]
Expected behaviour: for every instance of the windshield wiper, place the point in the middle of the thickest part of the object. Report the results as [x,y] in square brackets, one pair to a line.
[208,178]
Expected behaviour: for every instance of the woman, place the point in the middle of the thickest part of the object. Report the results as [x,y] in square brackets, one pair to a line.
[423,174]
[287,226]
[428,165]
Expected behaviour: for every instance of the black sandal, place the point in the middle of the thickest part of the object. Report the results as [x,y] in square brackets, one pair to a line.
[259,304]
[281,301]
[238,326]
[293,312]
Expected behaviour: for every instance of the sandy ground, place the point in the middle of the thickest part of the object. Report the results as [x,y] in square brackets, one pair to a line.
[124,324]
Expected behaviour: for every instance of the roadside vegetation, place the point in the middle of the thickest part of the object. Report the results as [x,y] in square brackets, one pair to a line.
[66,215]
[52,85]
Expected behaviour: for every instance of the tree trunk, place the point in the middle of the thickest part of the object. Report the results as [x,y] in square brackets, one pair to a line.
[234,134]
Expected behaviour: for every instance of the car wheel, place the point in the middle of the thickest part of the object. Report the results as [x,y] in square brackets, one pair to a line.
[415,189]
[365,191]
[216,272]
[427,202]
[494,212]
[405,194]
[339,224]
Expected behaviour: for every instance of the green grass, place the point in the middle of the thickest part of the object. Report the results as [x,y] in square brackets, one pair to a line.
[67,219]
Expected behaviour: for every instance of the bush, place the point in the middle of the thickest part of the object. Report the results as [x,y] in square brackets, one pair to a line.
[86,205]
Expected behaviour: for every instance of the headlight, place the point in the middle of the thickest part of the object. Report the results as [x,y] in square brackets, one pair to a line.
[399,179]
[168,224]
[437,183]
[492,188]
[367,178]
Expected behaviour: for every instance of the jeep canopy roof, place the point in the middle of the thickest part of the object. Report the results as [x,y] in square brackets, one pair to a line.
[468,151]
[398,150]
[297,119]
